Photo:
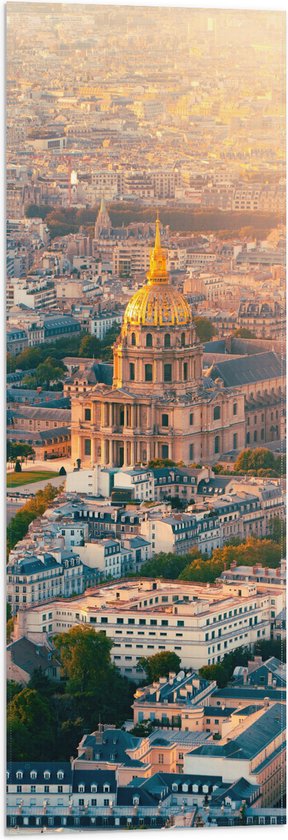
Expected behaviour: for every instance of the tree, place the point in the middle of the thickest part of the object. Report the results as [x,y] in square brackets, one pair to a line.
[159,665]
[90,346]
[18,467]
[255,459]
[167,566]
[47,372]
[277,530]
[157,463]
[204,328]
[84,656]
[215,673]
[62,471]
[28,714]
[9,630]
[37,211]
[13,450]
[18,526]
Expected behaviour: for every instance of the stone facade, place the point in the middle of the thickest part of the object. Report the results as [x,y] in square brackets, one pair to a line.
[159,405]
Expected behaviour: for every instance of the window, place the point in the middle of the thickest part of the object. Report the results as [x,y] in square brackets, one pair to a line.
[185,371]
[133,339]
[87,446]
[255,436]
[234,408]
[132,371]
[60,788]
[235,441]
[191,419]
[217,444]
[87,413]
[164,451]
[46,788]
[165,420]
[167,342]
[248,437]
[167,373]
[217,412]
[149,340]
[182,339]
[60,774]
[148,373]
[191,451]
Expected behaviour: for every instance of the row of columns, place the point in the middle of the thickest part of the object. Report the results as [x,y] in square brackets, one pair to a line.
[131,416]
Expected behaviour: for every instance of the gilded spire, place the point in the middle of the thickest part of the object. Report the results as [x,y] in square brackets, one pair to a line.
[158,271]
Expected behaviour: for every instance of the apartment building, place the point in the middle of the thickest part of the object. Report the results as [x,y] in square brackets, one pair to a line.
[257,754]
[102,322]
[179,532]
[199,622]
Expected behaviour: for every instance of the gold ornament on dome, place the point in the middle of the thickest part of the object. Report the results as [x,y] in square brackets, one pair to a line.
[157,303]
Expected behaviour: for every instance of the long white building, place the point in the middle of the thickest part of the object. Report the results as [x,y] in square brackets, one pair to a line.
[199,622]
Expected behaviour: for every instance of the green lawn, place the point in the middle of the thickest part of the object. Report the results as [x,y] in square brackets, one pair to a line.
[27,477]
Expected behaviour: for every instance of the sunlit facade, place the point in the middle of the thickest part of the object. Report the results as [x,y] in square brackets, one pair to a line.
[159,405]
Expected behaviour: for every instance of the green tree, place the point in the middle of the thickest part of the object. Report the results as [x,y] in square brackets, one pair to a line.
[215,673]
[15,450]
[46,373]
[159,665]
[17,468]
[90,346]
[37,211]
[28,715]
[84,656]
[168,566]
[18,526]
[204,328]
[255,459]
[9,630]
[277,530]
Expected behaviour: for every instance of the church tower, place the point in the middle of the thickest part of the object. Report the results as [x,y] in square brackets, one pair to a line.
[103,222]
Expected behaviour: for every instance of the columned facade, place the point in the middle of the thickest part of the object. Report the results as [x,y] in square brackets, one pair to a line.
[159,405]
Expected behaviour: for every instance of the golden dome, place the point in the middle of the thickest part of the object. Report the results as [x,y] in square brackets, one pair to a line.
[157,303]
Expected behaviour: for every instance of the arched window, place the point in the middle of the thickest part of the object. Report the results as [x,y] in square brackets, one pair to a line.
[167,342]
[149,340]
[148,373]
[217,412]
[217,444]
[183,340]
[133,339]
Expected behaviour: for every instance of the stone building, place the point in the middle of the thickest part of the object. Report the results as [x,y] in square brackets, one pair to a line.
[159,405]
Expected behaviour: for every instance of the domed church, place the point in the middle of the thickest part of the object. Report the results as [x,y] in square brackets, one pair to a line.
[160,405]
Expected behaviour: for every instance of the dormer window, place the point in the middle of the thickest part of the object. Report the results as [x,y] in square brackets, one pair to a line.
[185,788]
[93,788]
[47,774]
[60,774]
[106,788]
[195,788]
[174,786]
[135,800]
[33,774]
[81,788]
[19,774]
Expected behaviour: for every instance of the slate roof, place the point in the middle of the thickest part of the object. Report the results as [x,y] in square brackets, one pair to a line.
[167,690]
[253,740]
[28,656]
[114,742]
[242,789]
[31,564]
[248,693]
[42,413]
[94,777]
[40,766]
[242,371]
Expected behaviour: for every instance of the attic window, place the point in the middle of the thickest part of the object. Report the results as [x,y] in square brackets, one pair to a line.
[93,788]
[19,774]
[47,774]
[60,774]
[33,774]
[135,800]
[81,788]
[174,786]
[106,788]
